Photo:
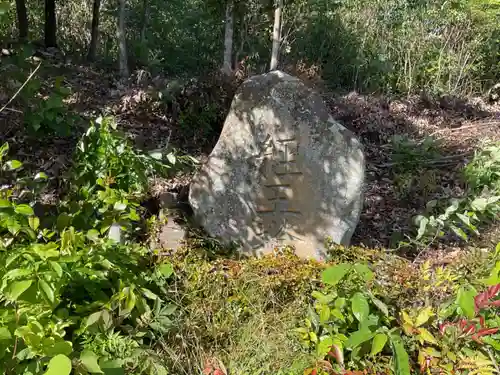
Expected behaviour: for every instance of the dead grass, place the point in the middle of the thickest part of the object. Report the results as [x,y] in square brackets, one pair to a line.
[240,313]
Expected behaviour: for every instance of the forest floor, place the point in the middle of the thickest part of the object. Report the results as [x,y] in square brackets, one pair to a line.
[240,316]
[415,147]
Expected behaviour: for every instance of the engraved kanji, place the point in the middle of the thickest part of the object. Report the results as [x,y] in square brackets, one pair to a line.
[276,208]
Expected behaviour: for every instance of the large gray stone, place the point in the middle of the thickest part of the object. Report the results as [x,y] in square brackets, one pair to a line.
[283,172]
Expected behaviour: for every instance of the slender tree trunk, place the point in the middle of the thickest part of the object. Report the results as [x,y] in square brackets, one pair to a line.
[227,65]
[122,42]
[22,19]
[94,39]
[276,36]
[144,21]
[50,24]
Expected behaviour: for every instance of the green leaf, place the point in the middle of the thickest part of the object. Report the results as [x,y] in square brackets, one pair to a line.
[40,176]
[5,147]
[57,268]
[332,275]
[340,302]
[63,221]
[89,361]
[423,316]
[13,164]
[324,346]
[313,337]
[380,305]
[59,347]
[425,335]
[358,337]
[459,232]
[360,307]
[337,314]
[24,209]
[166,270]
[148,294]
[495,344]
[422,226]
[324,313]
[93,235]
[5,334]
[479,204]
[17,273]
[465,299]
[112,367]
[34,222]
[13,226]
[59,365]
[47,290]
[364,271]
[378,343]
[120,206]
[156,154]
[17,288]
[402,363]
[130,301]
[4,203]
[171,158]
[93,318]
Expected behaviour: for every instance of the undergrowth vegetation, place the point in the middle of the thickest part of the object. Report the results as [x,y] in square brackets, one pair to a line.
[391,46]
[479,206]
[82,289]
[75,298]
[72,296]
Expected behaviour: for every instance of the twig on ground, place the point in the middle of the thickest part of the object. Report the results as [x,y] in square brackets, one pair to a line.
[487,123]
[20,88]
[13,110]
[445,160]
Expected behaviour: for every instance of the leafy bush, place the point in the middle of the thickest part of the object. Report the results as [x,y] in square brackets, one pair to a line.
[408,154]
[351,330]
[479,206]
[348,316]
[483,172]
[48,115]
[109,180]
[69,297]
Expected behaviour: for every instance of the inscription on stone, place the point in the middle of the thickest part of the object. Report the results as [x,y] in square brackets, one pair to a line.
[283,172]
[275,210]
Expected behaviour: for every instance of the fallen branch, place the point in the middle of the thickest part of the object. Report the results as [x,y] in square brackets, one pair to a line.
[445,160]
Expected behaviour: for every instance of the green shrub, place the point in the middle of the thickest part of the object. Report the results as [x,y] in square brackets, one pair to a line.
[48,115]
[348,318]
[69,297]
[356,326]
[480,206]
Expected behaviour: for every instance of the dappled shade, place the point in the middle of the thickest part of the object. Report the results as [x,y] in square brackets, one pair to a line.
[282,172]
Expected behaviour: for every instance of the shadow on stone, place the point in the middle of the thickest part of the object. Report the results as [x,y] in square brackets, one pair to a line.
[282,173]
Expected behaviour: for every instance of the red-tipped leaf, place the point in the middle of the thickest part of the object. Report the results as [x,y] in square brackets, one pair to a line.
[493,291]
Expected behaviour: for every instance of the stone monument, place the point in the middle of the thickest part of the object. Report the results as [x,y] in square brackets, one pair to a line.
[283,172]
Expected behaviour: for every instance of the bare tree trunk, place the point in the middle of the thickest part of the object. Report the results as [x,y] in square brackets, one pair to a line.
[276,35]
[50,24]
[94,31]
[22,19]
[122,43]
[227,65]
[144,21]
